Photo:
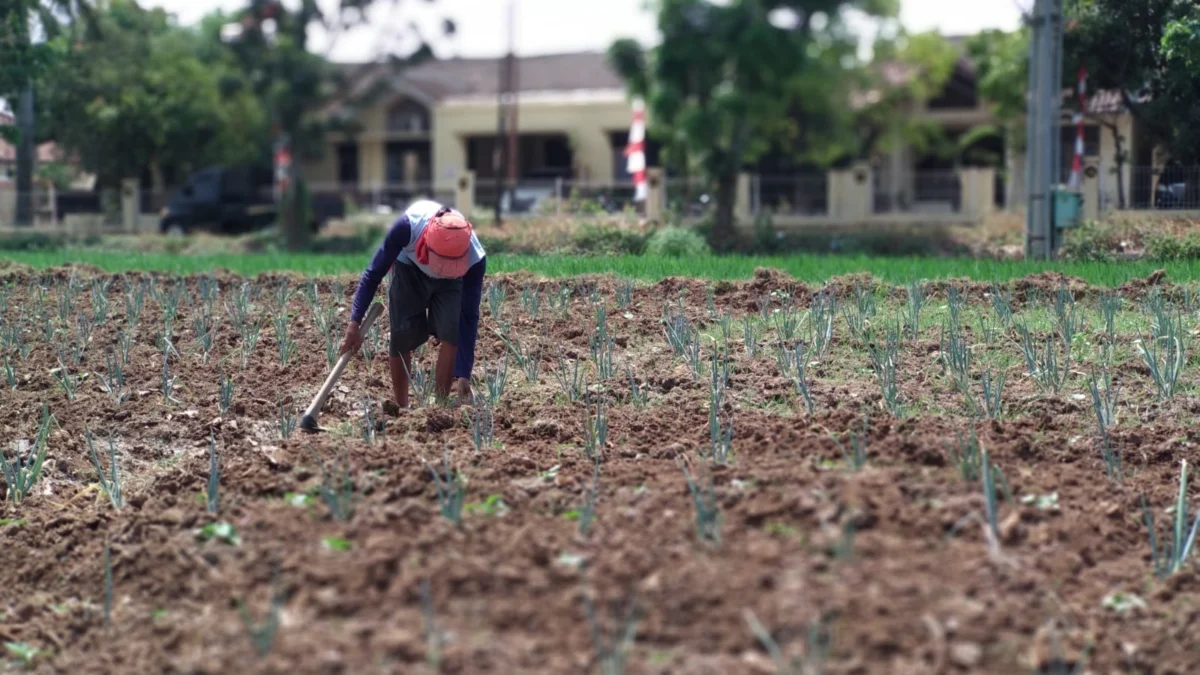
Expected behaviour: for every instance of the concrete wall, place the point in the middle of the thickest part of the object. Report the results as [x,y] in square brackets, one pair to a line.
[586,118]
[586,121]
[1108,159]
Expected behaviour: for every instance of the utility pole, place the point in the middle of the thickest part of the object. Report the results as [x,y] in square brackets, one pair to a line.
[1043,146]
[506,113]
[26,156]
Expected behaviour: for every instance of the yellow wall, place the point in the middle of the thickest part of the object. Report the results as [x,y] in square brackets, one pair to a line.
[1108,158]
[322,172]
[586,124]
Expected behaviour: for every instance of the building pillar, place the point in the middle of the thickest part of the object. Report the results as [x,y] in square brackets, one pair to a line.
[656,194]
[131,205]
[464,194]
[1091,189]
[1014,186]
[978,191]
[850,198]
[742,210]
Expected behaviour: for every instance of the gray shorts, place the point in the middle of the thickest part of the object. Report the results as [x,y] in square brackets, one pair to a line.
[420,306]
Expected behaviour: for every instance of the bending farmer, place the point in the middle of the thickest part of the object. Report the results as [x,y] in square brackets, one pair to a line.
[437,267]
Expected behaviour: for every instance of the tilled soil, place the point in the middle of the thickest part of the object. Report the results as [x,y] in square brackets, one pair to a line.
[885,569]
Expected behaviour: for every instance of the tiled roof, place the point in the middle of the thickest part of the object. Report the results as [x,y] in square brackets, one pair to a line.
[450,78]
[46,152]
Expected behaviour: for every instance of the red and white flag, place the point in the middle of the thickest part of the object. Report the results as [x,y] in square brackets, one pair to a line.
[635,152]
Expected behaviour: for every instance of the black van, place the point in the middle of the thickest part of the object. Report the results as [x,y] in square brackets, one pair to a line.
[233,200]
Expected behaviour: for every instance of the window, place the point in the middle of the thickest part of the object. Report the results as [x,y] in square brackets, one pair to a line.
[206,186]
[347,163]
[408,117]
[618,140]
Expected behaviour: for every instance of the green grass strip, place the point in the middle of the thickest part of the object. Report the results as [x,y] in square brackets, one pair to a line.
[804,267]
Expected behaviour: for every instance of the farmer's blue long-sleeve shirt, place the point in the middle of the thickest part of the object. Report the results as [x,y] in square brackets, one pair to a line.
[398,237]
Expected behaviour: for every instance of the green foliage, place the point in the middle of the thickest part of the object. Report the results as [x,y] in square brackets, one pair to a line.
[676,242]
[1001,61]
[1175,552]
[20,474]
[1147,47]
[337,486]
[723,80]
[607,239]
[137,95]
[1170,247]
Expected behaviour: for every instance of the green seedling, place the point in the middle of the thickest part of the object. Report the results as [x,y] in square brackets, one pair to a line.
[816,653]
[224,394]
[22,473]
[219,531]
[110,478]
[1176,551]
[262,634]
[213,490]
[336,488]
[707,509]
[595,429]
[493,506]
[451,490]
[611,651]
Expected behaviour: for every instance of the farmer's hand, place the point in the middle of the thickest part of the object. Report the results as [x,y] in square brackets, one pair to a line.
[462,387]
[353,339]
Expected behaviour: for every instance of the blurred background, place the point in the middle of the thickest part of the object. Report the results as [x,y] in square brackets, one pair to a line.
[307,124]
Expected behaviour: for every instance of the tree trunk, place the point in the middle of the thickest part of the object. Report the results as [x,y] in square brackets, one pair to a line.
[723,236]
[26,147]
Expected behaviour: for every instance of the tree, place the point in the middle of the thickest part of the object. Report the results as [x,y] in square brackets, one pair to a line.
[135,99]
[722,80]
[23,60]
[269,42]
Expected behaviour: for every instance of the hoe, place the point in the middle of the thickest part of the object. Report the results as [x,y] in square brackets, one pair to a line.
[309,421]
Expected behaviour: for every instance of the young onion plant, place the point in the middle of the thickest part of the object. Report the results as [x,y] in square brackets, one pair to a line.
[21,474]
[1175,552]
[707,508]
[110,478]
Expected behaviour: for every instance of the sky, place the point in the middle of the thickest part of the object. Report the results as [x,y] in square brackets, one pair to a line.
[552,26]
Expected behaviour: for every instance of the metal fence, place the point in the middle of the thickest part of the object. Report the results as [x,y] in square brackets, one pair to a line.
[554,197]
[932,192]
[336,199]
[1167,188]
[51,208]
[805,194]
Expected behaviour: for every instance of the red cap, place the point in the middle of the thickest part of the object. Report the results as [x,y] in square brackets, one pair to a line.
[448,243]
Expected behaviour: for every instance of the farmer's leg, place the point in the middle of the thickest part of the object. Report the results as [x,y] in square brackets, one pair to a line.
[444,376]
[444,309]
[399,366]
[407,300]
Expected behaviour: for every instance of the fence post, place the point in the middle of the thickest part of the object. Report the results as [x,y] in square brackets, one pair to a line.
[1091,189]
[464,197]
[558,194]
[655,194]
[131,206]
[52,193]
[741,203]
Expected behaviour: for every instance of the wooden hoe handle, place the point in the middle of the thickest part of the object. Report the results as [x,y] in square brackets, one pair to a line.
[309,421]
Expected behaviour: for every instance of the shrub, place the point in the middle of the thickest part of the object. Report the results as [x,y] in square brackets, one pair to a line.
[1092,240]
[1167,247]
[766,238]
[677,242]
[608,240]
